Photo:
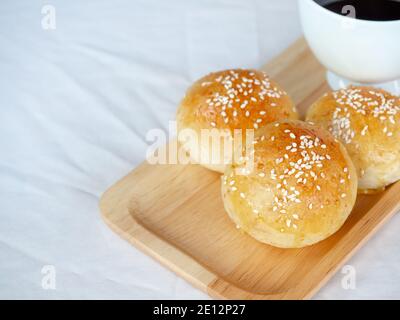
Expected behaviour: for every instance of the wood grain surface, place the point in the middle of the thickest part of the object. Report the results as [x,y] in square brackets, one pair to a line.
[175,214]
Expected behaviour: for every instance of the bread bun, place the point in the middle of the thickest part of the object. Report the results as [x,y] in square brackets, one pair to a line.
[301,190]
[225,101]
[367,121]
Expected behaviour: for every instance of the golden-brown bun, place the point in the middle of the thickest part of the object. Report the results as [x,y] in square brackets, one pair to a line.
[367,121]
[301,190]
[229,100]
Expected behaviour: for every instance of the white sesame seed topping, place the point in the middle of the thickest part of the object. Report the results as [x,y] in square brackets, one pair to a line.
[356,102]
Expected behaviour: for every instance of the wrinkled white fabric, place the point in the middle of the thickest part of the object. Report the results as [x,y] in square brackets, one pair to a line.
[75,106]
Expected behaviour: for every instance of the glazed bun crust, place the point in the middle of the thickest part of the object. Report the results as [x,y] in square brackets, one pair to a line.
[229,100]
[301,190]
[367,121]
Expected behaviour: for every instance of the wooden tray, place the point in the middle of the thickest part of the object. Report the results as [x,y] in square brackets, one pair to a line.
[175,214]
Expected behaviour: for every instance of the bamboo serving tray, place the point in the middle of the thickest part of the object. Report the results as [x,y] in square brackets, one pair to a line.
[175,214]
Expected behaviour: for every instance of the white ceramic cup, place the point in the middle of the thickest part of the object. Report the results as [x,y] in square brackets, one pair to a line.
[354,51]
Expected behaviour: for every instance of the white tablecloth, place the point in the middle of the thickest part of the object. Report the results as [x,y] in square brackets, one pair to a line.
[75,105]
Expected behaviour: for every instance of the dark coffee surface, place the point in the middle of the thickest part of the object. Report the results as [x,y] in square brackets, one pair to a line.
[378,10]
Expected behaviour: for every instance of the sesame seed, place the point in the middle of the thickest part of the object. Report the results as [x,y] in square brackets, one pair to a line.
[364,130]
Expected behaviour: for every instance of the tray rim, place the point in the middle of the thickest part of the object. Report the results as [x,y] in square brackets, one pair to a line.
[117,215]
